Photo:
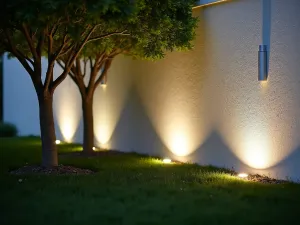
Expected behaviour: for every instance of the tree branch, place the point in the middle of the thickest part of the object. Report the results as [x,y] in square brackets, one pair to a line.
[85,31]
[104,72]
[71,74]
[49,74]
[60,63]
[30,42]
[27,58]
[59,51]
[76,79]
[84,67]
[108,35]
[94,71]
[32,34]
[71,61]
[72,45]
[36,80]
[78,68]
[102,57]
[40,44]
[51,62]
[18,54]
[55,27]
[50,46]
[91,62]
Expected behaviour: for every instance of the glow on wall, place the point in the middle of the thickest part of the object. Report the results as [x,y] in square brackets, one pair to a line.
[254,145]
[258,129]
[179,143]
[67,108]
[181,134]
[214,90]
[172,94]
[172,102]
[109,101]
[102,127]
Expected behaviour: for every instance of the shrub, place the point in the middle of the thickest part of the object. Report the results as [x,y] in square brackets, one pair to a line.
[8,130]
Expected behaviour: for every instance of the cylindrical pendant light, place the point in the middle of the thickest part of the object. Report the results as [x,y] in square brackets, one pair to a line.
[262,63]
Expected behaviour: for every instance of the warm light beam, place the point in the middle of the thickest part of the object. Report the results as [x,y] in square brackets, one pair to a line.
[167,161]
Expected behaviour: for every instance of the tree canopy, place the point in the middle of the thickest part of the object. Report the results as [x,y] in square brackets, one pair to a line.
[31,29]
[56,28]
[70,30]
[151,29]
[155,28]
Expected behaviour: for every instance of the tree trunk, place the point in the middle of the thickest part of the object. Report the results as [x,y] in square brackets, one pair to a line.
[49,149]
[88,125]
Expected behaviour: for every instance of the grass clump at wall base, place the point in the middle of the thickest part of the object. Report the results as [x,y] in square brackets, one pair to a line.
[8,130]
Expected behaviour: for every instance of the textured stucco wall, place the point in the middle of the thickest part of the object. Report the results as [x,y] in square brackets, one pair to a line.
[204,106]
[21,104]
[109,102]
[207,106]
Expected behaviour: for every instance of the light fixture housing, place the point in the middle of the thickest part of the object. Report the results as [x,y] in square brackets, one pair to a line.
[167,161]
[104,81]
[242,175]
[262,63]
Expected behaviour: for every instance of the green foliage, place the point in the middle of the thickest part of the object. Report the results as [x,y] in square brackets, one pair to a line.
[8,130]
[51,23]
[142,28]
[152,28]
[164,26]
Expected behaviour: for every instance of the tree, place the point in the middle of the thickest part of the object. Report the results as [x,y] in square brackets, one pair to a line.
[31,29]
[156,27]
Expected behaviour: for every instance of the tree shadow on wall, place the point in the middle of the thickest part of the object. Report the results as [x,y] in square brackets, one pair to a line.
[134,131]
[214,151]
[290,165]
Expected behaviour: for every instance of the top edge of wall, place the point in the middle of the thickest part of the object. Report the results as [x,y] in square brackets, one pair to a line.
[209,3]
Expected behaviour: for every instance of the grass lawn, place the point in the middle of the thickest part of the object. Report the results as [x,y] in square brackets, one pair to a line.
[132,189]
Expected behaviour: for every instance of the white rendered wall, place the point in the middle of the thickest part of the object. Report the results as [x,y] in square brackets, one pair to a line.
[20,103]
[204,106]
[207,105]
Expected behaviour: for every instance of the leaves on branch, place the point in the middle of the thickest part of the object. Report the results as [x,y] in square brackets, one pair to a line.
[65,31]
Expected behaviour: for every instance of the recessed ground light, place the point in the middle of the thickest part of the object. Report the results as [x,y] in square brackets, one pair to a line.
[242,175]
[57,142]
[167,161]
